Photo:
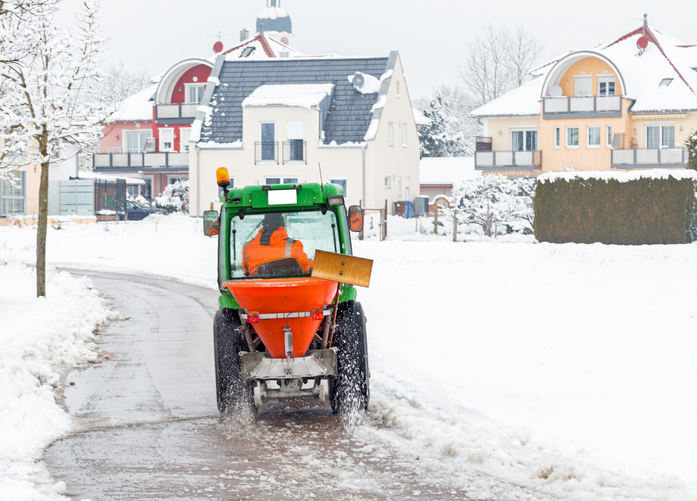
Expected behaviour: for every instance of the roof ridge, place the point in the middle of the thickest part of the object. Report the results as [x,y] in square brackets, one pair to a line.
[261,38]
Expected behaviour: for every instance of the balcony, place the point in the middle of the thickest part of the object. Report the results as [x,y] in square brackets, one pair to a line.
[114,162]
[176,113]
[582,107]
[266,152]
[507,160]
[294,151]
[644,158]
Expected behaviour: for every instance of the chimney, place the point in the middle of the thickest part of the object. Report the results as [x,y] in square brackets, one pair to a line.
[244,35]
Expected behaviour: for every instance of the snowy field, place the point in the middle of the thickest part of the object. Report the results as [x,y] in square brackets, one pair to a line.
[567,368]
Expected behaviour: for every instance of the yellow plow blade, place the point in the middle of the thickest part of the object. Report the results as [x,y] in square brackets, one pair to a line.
[342,268]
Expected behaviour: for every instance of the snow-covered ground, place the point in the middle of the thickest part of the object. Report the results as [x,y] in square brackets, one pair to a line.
[567,368]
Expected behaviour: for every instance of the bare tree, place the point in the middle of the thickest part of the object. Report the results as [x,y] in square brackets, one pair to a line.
[522,51]
[44,71]
[498,61]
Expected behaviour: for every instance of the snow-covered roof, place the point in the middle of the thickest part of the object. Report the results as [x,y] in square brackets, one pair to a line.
[297,95]
[274,19]
[420,118]
[446,170]
[640,72]
[135,108]
[523,101]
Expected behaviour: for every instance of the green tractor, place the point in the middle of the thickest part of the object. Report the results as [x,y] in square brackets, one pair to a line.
[289,324]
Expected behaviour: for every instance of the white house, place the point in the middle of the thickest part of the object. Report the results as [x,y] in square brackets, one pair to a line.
[347,121]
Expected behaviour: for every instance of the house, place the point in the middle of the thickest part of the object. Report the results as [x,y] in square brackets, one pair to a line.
[438,175]
[627,104]
[347,121]
[148,136]
[19,191]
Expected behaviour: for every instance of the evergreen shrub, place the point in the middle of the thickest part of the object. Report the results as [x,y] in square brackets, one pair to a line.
[642,210]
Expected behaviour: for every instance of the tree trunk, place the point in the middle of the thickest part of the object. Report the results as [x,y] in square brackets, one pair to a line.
[41,233]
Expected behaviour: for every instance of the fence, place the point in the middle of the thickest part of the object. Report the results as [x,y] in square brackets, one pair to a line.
[71,198]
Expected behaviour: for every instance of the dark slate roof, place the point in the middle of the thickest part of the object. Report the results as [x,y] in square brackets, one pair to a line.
[349,112]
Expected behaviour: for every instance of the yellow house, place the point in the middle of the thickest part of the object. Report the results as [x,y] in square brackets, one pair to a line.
[627,104]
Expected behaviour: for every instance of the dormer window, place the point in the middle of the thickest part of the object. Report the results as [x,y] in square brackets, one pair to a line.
[665,82]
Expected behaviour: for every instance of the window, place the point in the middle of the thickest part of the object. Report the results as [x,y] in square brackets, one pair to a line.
[268,142]
[593,136]
[13,193]
[660,136]
[341,181]
[166,139]
[184,134]
[665,82]
[295,146]
[583,86]
[524,140]
[280,180]
[388,179]
[606,86]
[194,93]
[572,137]
[608,136]
[134,141]
[404,134]
[309,231]
[390,133]
[557,137]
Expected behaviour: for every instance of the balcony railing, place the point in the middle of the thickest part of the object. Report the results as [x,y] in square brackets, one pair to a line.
[507,160]
[294,151]
[128,161]
[176,111]
[644,158]
[266,152]
[561,107]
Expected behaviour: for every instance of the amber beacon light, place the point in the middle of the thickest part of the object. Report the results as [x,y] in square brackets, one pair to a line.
[223,177]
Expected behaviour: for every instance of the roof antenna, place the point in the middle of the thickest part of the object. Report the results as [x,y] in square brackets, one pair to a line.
[321,183]
[646,23]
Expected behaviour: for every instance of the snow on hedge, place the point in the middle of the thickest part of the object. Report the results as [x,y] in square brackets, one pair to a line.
[40,339]
[620,176]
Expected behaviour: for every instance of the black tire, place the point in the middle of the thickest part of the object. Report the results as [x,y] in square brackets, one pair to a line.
[233,393]
[349,391]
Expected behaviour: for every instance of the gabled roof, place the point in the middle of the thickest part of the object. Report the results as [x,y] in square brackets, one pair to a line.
[350,112]
[135,108]
[642,73]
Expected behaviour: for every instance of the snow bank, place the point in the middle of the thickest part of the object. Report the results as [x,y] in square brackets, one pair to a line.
[620,176]
[40,338]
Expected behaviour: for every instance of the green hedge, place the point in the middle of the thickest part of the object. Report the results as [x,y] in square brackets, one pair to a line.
[638,211]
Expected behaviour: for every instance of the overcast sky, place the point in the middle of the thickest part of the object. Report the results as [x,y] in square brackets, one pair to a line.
[431,35]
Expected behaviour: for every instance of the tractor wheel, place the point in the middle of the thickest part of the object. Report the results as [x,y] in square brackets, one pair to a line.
[233,393]
[350,389]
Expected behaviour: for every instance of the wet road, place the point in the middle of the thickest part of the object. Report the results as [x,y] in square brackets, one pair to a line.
[147,426]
